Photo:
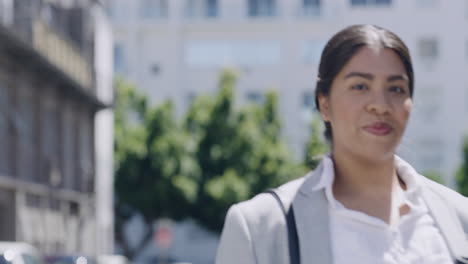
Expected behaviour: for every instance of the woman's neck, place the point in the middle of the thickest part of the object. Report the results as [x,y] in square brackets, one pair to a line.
[359,175]
[368,186]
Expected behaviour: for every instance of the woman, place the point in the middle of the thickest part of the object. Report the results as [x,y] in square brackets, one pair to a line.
[362,204]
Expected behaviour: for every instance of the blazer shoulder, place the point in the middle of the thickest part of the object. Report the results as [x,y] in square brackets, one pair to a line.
[261,214]
[263,206]
[445,192]
[254,230]
[452,198]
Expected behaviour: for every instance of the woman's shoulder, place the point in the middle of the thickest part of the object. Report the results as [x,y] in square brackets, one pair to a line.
[262,204]
[443,191]
[251,233]
[450,196]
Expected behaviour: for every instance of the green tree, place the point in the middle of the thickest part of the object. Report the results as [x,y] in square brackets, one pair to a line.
[315,146]
[462,173]
[153,165]
[240,152]
[220,156]
[434,175]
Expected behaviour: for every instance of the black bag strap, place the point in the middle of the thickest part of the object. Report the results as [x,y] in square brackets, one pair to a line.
[293,240]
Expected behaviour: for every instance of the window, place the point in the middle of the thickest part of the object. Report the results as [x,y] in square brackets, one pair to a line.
[255,97]
[110,9]
[308,100]
[358,2]
[155,69]
[308,105]
[310,8]
[86,155]
[426,3]
[150,9]
[3,128]
[261,8]
[383,2]
[311,51]
[240,53]
[371,2]
[202,8]
[428,48]
[6,12]
[119,59]
[211,8]
[24,129]
[50,143]
[118,10]
[69,134]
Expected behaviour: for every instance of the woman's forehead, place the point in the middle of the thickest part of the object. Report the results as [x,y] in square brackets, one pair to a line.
[375,61]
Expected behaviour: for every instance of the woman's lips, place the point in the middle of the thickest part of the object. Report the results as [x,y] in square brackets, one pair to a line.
[379,128]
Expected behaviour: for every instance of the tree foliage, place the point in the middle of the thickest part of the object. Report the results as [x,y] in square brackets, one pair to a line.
[153,164]
[217,155]
[240,152]
[462,173]
[434,175]
[315,146]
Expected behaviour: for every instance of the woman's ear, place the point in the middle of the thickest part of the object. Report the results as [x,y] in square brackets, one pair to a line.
[324,107]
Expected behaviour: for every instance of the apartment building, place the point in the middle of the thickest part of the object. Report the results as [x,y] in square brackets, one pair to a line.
[175,49]
[56,125]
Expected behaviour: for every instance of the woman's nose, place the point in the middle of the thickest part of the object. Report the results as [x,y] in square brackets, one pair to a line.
[379,103]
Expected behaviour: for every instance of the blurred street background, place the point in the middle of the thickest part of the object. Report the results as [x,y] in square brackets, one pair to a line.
[128,127]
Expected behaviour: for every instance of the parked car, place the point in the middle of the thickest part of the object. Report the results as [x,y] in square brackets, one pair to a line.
[158,260]
[112,259]
[19,253]
[70,259]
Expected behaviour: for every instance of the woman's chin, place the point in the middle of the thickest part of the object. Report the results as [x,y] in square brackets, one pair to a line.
[378,155]
[374,153]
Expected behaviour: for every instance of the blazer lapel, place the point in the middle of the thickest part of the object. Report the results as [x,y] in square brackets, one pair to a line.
[448,223]
[313,222]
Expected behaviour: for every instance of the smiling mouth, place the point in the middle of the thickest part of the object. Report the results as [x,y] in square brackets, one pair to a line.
[379,129]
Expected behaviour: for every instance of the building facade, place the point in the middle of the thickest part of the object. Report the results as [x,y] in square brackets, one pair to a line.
[176,49]
[53,94]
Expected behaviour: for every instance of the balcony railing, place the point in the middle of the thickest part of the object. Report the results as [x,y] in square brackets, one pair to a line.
[61,53]
[53,32]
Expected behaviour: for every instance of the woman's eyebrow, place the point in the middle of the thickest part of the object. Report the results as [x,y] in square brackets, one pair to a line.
[359,74]
[403,77]
[369,76]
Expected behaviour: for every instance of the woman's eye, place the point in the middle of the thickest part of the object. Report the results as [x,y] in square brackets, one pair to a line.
[397,89]
[359,87]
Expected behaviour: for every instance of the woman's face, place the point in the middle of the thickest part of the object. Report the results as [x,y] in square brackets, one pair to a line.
[369,104]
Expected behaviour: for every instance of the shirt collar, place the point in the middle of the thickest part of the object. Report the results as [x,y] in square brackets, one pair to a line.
[406,172]
[328,173]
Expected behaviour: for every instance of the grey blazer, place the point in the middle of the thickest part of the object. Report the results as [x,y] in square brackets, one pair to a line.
[255,230]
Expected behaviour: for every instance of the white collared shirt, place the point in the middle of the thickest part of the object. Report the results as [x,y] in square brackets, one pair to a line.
[359,238]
